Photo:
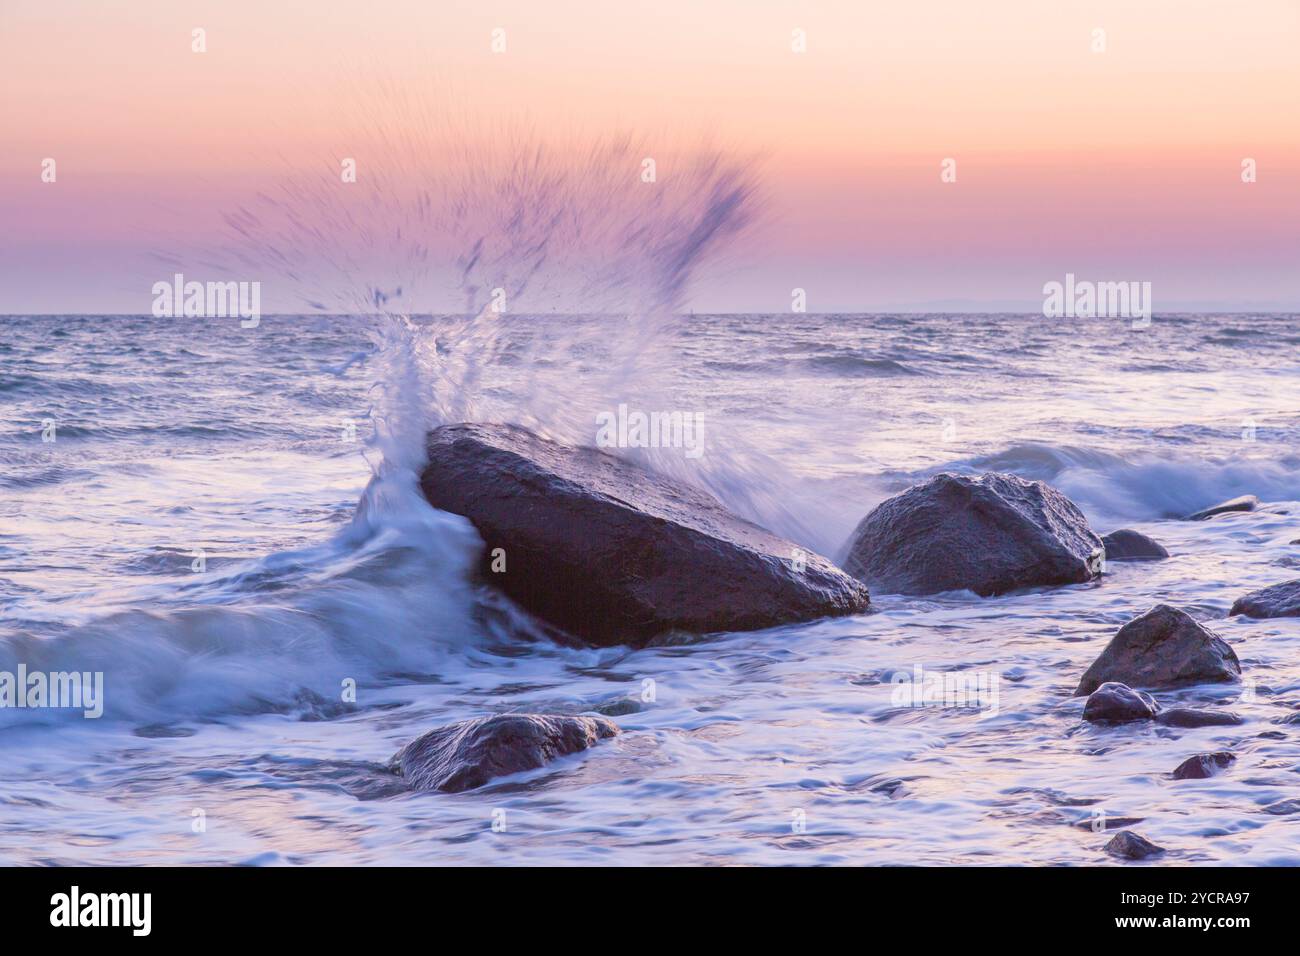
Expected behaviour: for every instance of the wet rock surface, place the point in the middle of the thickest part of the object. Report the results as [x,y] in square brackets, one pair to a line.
[613,554]
[1165,647]
[988,534]
[1116,703]
[1128,845]
[1203,766]
[1128,545]
[1189,718]
[468,754]
[1280,600]
[1243,503]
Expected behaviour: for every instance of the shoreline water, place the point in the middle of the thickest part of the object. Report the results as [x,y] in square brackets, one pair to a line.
[221,686]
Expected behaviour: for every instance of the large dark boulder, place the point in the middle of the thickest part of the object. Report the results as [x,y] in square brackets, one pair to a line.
[1116,703]
[1164,647]
[1129,545]
[468,754]
[614,554]
[1280,600]
[1244,503]
[988,534]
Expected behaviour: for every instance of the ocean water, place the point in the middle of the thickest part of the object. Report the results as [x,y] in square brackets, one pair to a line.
[226,525]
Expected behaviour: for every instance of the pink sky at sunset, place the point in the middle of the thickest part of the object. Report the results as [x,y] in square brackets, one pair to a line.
[1120,165]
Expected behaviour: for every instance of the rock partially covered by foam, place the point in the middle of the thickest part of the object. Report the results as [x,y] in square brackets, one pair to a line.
[1280,600]
[988,534]
[468,754]
[1165,647]
[614,554]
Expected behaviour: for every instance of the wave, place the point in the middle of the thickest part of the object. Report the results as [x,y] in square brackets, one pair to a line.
[857,366]
[518,224]
[849,366]
[393,592]
[1111,488]
[54,475]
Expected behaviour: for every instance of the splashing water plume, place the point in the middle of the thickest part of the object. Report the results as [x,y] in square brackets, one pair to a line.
[512,276]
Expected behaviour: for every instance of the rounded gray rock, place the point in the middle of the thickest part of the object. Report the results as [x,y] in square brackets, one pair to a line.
[1280,600]
[1116,703]
[988,534]
[1203,765]
[1128,545]
[468,754]
[1128,845]
[1165,647]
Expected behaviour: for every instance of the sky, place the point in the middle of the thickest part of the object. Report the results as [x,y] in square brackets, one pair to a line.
[1113,155]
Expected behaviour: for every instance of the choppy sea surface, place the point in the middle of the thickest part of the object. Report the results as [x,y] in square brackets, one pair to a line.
[187,506]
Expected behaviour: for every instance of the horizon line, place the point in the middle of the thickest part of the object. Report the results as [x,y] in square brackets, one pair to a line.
[1201,310]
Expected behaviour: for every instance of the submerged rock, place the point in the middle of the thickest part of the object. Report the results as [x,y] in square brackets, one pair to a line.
[1187,717]
[1115,703]
[1128,845]
[1283,808]
[614,554]
[988,534]
[1203,765]
[618,707]
[1244,503]
[1129,545]
[1280,600]
[468,754]
[1164,647]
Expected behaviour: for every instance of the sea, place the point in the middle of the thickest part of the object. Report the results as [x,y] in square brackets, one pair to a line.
[224,522]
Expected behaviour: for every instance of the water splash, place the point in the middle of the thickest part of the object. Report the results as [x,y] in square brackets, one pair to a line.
[511,275]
